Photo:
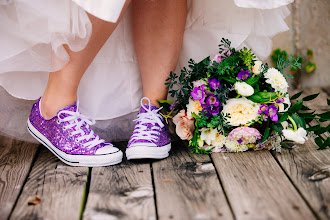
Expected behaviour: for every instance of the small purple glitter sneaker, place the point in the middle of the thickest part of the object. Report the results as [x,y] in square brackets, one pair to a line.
[69,137]
[151,137]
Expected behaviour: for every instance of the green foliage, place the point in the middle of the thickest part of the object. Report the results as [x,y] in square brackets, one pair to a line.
[248,57]
[295,96]
[166,104]
[264,97]
[282,60]
[298,113]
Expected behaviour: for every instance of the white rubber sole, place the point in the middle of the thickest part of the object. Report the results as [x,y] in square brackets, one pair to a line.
[76,160]
[148,152]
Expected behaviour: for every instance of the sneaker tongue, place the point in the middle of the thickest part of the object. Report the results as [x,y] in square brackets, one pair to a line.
[152,107]
[72,107]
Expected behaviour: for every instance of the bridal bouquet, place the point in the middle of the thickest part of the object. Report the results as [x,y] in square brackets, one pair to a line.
[234,103]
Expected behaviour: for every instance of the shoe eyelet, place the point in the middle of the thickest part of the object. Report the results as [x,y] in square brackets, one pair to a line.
[76,140]
[64,128]
[58,122]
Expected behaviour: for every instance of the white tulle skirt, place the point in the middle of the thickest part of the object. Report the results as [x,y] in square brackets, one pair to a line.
[32,34]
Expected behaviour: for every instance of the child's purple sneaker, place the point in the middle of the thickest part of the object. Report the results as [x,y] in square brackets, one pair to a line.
[69,137]
[151,137]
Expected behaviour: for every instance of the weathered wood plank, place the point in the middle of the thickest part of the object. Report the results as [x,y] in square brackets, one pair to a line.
[187,186]
[16,159]
[257,187]
[309,170]
[122,191]
[60,187]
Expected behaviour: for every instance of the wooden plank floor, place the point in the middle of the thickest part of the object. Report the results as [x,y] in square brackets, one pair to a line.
[294,184]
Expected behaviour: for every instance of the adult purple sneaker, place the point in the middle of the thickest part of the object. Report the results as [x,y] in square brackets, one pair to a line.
[69,137]
[151,137]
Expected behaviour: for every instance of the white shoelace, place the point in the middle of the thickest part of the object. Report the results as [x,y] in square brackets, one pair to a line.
[76,120]
[149,117]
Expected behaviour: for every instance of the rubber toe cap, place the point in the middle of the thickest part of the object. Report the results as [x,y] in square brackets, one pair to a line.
[109,149]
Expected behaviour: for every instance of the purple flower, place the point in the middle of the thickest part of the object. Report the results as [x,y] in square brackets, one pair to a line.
[198,94]
[173,105]
[281,100]
[214,83]
[244,75]
[210,110]
[212,101]
[264,117]
[272,113]
[214,110]
[263,108]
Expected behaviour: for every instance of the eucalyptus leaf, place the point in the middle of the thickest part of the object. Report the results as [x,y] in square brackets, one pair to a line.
[296,107]
[295,96]
[311,97]
[319,142]
[266,135]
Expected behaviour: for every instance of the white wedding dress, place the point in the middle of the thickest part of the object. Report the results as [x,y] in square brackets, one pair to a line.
[33,33]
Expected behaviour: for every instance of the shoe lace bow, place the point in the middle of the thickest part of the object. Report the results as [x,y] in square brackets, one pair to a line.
[145,119]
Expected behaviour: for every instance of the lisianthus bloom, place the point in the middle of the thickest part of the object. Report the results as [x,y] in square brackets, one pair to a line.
[244,75]
[244,135]
[184,125]
[198,93]
[256,69]
[199,82]
[210,110]
[208,135]
[276,79]
[299,136]
[263,108]
[194,106]
[212,101]
[243,89]
[173,105]
[214,83]
[234,146]
[241,111]
[280,100]
[287,101]
[272,113]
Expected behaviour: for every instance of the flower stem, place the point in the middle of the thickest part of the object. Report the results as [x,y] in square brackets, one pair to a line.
[293,123]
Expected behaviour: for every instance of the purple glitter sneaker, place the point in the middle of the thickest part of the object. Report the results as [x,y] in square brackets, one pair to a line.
[151,137]
[69,137]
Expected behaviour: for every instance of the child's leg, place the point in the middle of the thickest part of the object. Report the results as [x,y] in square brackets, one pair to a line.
[158,31]
[62,85]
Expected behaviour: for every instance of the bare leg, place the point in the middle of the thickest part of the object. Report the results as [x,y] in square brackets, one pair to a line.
[62,85]
[158,31]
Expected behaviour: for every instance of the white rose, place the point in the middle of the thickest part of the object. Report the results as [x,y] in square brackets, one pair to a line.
[241,111]
[299,136]
[208,135]
[256,69]
[234,146]
[281,105]
[200,82]
[243,89]
[218,141]
[276,79]
[194,106]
